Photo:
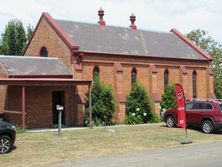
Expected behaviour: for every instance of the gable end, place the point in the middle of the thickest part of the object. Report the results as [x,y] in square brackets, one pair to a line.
[190,43]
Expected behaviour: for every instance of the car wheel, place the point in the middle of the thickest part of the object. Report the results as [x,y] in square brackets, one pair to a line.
[5,144]
[170,121]
[207,127]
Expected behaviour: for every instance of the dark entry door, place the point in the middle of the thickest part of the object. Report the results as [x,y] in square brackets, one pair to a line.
[58,99]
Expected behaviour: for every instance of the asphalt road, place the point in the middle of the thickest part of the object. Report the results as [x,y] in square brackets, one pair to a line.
[193,155]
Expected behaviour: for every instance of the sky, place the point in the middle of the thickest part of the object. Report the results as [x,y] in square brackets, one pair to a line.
[154,15]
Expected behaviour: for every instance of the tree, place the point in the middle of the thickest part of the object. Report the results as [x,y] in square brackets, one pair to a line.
[206,42]
[29,31]
[14,38]
[168,99]
[102,103]
[138,105]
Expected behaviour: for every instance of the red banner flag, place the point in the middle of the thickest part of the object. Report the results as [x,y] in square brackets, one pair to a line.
[180,98]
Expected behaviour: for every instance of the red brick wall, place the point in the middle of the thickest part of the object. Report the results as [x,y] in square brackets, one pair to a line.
[38,106]
[47,37]
[107,73]
[106,65]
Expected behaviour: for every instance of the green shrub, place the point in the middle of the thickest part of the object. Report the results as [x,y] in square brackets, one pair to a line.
[138,105]
[133,119]
[154,118]
[168,99]
[102,104]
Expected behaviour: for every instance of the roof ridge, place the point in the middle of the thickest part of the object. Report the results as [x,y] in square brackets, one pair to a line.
[28,57]
[114,26]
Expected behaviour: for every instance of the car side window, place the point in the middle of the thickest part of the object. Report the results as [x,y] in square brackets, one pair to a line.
[220,107]
[208,107]
[202,106]
[189,106]
[195,106]
[199,106]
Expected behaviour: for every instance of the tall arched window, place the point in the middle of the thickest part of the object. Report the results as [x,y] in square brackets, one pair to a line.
[133,76]
[166,78]
[95,72]
[194,84]
[43,52]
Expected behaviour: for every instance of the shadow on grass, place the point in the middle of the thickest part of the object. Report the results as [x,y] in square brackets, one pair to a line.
[12,149]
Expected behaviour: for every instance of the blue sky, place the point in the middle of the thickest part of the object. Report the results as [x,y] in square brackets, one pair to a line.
[155,15]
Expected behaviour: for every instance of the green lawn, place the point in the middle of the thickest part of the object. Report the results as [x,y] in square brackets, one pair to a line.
[36,149]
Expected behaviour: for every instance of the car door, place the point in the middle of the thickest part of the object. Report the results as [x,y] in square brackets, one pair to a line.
[207,111]
[194,114]
[189,112]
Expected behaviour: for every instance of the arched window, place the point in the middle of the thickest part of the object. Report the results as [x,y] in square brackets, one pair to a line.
[95,72]
[194,84]
[133,76]
[43,52]
[166,78]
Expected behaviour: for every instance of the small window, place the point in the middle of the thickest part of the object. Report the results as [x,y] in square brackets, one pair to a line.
[133,76]
[166,78]
[194,84]
[95,72]
[43,52]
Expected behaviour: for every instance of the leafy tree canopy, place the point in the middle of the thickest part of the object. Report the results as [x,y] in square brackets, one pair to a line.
[206,42]
[168,99]
[14,38]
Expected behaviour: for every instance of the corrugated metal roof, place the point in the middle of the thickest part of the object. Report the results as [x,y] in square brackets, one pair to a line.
[119,40]
[30,65]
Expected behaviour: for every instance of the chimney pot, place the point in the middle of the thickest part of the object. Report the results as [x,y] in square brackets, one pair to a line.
[133,19]
[101,14]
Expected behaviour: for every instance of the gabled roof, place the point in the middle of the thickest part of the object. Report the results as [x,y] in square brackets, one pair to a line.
[124,41]
[34,66]
[94,38]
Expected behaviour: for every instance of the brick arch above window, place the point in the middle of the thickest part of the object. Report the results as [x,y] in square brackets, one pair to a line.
[96,72]
[133,75]
[194,84]
[166,78]
[43,52]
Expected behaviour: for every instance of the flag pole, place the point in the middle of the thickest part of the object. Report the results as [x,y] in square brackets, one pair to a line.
[181,109]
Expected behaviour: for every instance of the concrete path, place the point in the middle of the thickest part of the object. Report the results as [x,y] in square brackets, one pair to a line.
[193,155]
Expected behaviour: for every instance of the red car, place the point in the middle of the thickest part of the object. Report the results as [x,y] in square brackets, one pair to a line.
[206,114]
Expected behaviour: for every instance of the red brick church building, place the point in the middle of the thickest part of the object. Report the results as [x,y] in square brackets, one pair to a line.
[119,56]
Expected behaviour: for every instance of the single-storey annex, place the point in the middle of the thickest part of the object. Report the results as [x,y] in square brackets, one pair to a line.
[119,56]
[31,87]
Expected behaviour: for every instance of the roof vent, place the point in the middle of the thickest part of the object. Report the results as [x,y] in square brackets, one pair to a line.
[133,19]
[101,14]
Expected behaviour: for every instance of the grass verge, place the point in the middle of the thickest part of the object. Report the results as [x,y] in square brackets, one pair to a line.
[40,149]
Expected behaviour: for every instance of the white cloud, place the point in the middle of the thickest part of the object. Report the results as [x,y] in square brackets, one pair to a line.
[158,15]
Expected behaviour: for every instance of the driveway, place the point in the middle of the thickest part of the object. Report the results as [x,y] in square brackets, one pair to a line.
[193,155]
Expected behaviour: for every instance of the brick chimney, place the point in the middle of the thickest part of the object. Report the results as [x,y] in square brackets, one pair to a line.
[133,19]
[101,14]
